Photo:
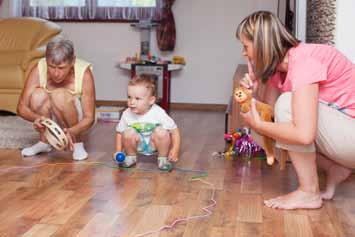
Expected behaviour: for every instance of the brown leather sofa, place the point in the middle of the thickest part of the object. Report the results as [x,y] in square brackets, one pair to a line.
[22,44]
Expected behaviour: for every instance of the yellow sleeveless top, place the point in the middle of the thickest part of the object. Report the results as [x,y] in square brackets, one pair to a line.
[79,68]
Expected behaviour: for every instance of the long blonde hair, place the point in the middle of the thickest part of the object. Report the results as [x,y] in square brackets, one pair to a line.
[271,41]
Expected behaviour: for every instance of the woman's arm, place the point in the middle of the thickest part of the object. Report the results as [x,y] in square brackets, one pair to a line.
[88,105]
[302,128]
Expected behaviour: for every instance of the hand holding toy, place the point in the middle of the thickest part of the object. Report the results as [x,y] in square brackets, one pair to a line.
[54,134]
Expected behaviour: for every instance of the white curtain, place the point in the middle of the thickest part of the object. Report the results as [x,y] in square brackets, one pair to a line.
[91,11]
[15,7]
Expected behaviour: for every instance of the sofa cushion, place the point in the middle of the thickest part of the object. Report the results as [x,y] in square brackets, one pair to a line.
[11,77]
[36,31]
[47,32]
[23,58]
[12,57]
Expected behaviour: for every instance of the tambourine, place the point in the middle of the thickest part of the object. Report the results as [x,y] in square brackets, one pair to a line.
[54,134]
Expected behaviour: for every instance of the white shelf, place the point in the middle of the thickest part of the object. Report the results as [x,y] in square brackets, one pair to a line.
[171,67]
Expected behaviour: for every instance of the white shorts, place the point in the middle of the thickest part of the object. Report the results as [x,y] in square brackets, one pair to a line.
[335,132]
[79,110]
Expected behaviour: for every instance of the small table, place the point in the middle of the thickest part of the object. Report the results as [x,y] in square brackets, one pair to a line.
[163,73]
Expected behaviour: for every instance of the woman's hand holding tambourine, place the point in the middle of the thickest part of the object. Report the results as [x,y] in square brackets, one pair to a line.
[38,126]
[70,138]
[54,134]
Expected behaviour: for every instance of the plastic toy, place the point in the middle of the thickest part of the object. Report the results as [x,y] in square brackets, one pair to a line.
[179,60]
[230,141]
[240,144]
[119,156]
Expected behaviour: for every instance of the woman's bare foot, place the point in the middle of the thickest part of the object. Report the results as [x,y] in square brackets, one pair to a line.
[335,175]
[295,200]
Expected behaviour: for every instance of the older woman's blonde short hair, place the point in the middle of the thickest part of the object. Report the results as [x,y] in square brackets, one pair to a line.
[60,50]
[271,41]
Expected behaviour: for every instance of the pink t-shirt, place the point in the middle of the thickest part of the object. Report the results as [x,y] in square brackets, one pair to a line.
[325,65]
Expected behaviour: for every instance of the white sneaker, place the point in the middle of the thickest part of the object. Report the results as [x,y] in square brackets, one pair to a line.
[79,152]
[164,164]
[37,148]
[129,161]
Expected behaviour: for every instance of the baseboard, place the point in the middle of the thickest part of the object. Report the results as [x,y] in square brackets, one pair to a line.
[176,106]
[111,103]
[202,107]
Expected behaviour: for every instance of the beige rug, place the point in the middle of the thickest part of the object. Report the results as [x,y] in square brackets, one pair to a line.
[16,133]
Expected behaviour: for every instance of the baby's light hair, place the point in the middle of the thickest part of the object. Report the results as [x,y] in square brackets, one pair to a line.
[145,80]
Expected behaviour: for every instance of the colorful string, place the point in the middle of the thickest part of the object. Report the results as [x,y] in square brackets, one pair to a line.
[207,210]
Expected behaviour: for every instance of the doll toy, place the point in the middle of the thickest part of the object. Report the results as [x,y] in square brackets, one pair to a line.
[244,96]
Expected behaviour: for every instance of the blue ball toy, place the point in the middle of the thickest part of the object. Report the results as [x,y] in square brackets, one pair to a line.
[120,157]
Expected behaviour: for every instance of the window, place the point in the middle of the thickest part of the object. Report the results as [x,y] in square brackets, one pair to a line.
[100,3]
[57,3]
[127,3]
[93,10]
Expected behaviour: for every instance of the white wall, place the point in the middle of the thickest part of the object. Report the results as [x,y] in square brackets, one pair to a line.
[345,35]
[301,19]
[205,37]
[4,8]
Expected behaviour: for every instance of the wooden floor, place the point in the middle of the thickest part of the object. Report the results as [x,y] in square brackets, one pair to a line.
[50,195]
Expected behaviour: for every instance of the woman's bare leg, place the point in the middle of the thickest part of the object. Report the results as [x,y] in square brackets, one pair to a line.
[40,104]
[335,174]
[307,195]
[64,109]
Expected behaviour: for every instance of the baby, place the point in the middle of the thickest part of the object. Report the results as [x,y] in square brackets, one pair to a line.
[145,128]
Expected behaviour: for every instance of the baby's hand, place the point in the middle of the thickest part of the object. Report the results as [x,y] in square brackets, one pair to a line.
[173,155]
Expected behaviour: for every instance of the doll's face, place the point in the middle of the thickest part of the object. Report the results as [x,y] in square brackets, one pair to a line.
[241,94]
[139,99]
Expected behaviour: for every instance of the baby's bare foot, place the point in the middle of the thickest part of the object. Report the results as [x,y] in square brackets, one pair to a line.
[335,175]
[295,200]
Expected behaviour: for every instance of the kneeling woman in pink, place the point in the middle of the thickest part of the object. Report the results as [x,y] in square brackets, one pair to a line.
[312,88]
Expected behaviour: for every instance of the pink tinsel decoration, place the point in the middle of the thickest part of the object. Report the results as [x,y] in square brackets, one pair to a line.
[245,146]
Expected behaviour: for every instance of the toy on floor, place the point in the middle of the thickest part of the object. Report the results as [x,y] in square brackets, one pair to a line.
[55,135]
[244,96]
[119,157]
[240,144]
[245,146]
[230,142]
